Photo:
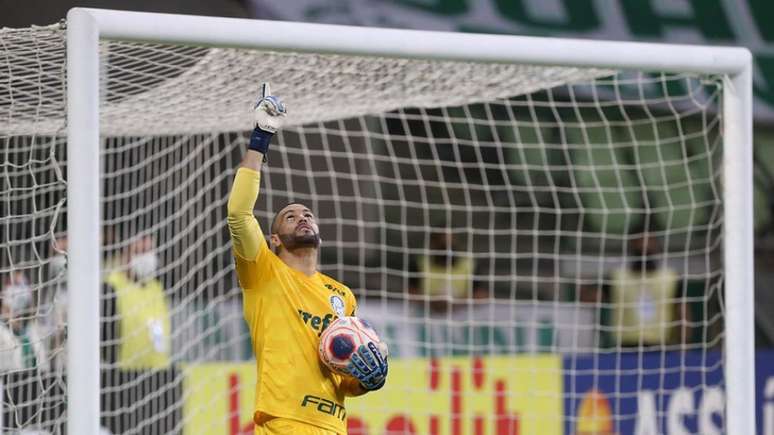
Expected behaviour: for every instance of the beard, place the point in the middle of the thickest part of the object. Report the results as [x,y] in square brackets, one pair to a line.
[304,240]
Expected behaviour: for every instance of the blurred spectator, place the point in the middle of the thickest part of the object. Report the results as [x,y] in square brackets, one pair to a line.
[18,312]
[53,304]
[136,318]
[599,297]
[645,300]
[10,346]
[445,278]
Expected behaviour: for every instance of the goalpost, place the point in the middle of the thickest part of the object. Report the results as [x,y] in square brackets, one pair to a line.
[546,157]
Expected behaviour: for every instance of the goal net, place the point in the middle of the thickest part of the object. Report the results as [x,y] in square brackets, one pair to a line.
[541,247]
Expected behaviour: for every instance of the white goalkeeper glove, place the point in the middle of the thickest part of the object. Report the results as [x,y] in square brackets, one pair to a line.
[269,114]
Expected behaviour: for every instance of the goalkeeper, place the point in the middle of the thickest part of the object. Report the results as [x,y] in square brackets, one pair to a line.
[287,304]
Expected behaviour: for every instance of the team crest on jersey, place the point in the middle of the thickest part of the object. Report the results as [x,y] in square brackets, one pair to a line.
[338,305]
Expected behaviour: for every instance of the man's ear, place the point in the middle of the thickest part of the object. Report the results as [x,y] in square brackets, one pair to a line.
[274,241]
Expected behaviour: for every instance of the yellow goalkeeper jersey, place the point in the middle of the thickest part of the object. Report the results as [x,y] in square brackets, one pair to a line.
[286,311]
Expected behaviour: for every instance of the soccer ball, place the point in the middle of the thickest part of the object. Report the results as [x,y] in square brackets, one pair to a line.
[342,338]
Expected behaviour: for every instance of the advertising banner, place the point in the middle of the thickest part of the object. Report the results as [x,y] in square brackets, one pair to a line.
[455,396]
[764,394]
[532,327]
[676,393]
[535,326]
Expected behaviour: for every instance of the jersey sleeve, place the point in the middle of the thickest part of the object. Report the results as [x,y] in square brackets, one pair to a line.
[247,238]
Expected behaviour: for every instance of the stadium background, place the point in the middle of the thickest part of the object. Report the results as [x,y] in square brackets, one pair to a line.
[721,22]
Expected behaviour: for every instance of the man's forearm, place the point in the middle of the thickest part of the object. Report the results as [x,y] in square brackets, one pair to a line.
[353,388]
[252,160]
[244,229]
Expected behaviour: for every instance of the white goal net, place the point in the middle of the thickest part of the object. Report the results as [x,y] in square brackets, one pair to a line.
[541,247]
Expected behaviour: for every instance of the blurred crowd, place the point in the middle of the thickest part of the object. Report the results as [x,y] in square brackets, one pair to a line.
[32,320]
[135,330]
[644,303]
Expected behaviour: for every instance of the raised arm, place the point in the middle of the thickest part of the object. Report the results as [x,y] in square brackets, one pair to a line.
[246,234]
[245,231]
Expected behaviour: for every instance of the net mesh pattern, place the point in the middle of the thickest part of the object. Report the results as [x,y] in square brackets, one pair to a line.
[546,179]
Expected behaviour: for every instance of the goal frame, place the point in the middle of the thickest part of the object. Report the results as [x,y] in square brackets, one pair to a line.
[86,27]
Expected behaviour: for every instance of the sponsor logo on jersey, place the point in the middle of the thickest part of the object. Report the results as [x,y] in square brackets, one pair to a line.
[335,289]
[325,406]
[318,323]
[338,305]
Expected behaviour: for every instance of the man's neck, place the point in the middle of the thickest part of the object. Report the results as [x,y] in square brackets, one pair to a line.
[303,260]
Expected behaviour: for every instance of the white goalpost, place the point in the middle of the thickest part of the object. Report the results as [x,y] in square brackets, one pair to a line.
[547,159]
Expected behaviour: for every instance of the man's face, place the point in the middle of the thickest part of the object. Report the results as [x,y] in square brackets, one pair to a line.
[141,246]
[296,227]
[16,297]
[644,245]
[642,250]
[441,241]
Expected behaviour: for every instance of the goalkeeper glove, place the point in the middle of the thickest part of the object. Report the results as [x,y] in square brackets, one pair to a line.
[269,112]
[369,366]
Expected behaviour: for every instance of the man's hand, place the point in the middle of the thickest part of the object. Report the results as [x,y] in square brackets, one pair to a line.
[269,113]
[369,366]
